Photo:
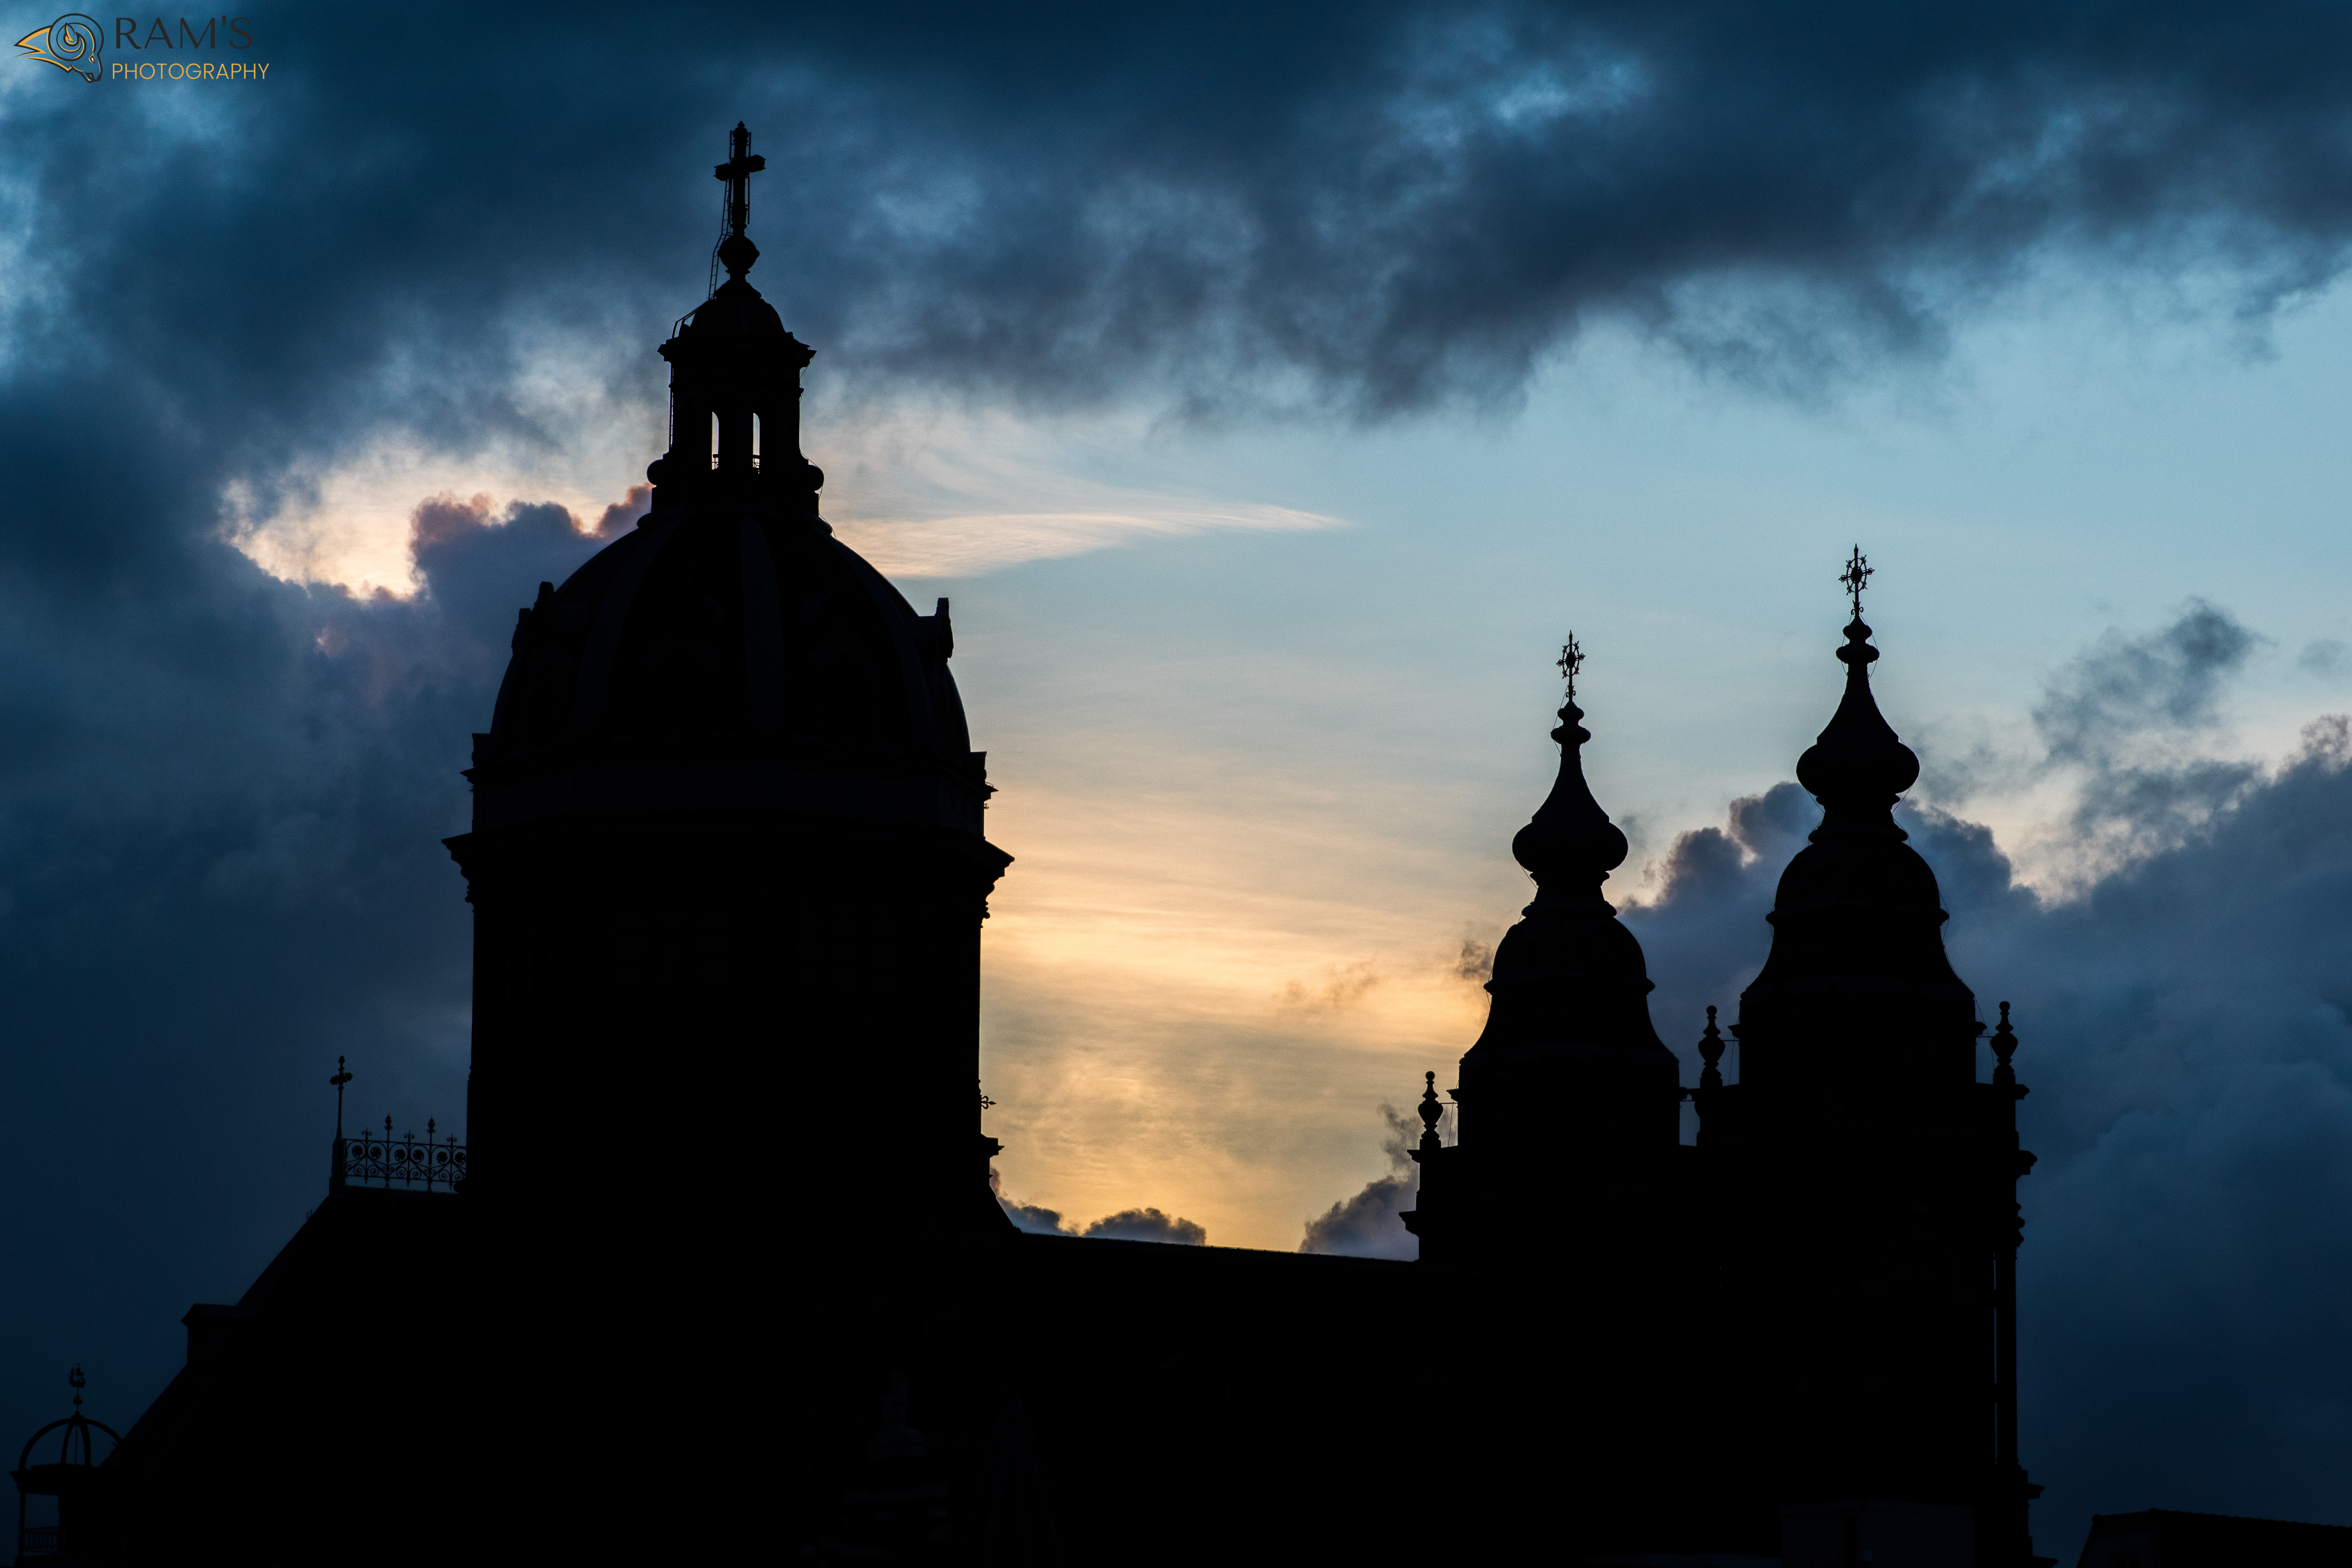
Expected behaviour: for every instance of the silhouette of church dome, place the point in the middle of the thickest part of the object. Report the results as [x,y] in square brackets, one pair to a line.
[76,1447]
[731,611]
[710,624]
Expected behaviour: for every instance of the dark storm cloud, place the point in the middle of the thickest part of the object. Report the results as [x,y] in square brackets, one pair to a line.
[1367,1225]
[1368,207]
[1147,1224]
[2170,680]
[2127,720]
[220,808]
[1128,1224]
[2102,712]
[1035,1219]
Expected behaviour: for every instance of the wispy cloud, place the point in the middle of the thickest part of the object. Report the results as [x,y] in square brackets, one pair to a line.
[971,543]
[923,491]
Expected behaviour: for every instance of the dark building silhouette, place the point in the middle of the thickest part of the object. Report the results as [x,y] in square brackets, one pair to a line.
[1870,1180]
[724,1201]
[1852,1198]
[2159,1538]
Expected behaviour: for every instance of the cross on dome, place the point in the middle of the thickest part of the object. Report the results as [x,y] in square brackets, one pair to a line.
[1570,660]
[741,166]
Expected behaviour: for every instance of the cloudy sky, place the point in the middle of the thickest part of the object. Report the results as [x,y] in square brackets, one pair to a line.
[1271,389]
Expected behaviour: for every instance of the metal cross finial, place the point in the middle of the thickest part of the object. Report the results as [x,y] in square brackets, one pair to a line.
[1570,660]
[1856,574]
[78,1383]
[343,1076]
[741,166]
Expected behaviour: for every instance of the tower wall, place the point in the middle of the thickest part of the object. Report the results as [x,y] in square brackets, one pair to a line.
[754,995]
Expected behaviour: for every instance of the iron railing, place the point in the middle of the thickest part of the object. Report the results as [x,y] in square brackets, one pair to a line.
[407,1160]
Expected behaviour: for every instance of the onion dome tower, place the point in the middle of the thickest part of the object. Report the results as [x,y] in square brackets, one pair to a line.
[1569,1083]
[1868,1179]
[728,836]
[76,1528]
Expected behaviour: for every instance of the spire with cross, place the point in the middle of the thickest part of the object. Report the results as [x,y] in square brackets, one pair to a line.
[736,252]
[1855,575]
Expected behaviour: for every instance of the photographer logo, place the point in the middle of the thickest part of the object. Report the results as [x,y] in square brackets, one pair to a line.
[70,43]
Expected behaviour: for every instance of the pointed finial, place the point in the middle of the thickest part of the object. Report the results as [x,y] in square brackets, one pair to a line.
[76,1381]
[1570,845]
[1710,1050]
[2004,1044]
[1855,575]
[1858,766]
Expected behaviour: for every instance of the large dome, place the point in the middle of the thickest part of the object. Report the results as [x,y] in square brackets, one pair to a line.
[751,625]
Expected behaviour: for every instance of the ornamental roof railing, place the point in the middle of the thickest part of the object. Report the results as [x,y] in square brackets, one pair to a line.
[371,1158]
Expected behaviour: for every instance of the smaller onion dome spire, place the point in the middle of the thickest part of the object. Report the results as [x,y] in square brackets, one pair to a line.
[1569,847]
[1858,766]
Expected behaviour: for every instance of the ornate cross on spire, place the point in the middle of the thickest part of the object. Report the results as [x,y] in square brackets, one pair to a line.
[736,251]
[1856,574]
[1570,660]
